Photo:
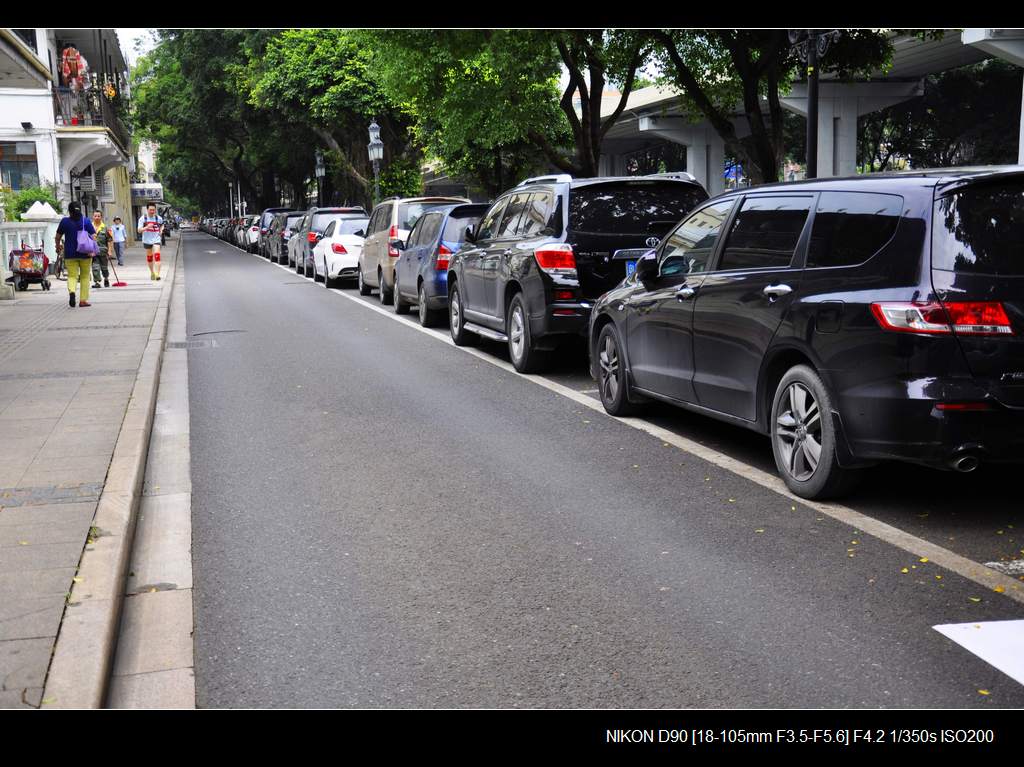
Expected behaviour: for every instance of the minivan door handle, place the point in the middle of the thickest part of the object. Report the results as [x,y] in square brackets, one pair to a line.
[685,292]
[774,291]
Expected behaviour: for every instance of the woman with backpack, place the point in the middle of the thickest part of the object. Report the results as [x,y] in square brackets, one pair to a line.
[78,247]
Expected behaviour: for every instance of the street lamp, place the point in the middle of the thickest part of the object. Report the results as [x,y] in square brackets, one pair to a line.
[811,44]
[321,171]
[376,150]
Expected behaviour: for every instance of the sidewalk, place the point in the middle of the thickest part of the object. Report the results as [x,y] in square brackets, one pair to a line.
[68,377]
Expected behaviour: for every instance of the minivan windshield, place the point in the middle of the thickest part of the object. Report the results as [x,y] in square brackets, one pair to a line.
[979,229]
[632,207]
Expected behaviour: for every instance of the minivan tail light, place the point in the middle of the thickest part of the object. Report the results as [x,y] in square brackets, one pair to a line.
[556,258]
[969,318]
[443,256]
[392,236]
[337,247]
[311,237]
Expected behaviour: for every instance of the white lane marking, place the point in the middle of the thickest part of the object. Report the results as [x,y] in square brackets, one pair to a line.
[919,547]
[999,643]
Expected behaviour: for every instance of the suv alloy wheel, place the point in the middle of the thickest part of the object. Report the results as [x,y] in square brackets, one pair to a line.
[525,358]
[460,336]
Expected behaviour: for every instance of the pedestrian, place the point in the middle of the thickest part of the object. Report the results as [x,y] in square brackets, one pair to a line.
[78,247]
[120,238]
[104,251]
[150,226]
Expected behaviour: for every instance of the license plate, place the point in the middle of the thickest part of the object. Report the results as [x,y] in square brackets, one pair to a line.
[630,267]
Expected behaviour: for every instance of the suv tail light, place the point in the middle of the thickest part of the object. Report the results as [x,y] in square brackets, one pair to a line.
[443,255]
[337,247]
[255,229]
[263,231]
[393,252]
[969,318]
[556,258]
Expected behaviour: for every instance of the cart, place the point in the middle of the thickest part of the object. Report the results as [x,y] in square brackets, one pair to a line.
[28,267]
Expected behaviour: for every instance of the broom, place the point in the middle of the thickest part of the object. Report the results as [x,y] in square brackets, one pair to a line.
[117,284]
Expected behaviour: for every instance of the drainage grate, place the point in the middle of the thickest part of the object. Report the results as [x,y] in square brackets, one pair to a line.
[204,344]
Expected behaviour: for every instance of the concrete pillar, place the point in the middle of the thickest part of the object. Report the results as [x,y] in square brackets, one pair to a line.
[697,163]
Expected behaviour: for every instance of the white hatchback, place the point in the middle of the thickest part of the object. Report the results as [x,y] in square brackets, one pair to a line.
[336,254]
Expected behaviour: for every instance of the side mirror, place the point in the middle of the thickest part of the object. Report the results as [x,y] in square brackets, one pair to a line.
[359,233]
[647,268]
[471,233]
[399,244]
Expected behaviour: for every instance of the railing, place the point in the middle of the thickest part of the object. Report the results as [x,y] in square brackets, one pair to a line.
[89,108]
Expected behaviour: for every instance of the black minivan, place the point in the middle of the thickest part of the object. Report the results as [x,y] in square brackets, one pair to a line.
[542,254]
[853,320]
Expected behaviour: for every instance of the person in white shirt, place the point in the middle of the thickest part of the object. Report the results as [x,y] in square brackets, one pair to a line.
[150,227]
[120,238]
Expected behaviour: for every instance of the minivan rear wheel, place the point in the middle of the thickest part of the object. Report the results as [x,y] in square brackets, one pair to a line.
[612,380]
[804,437]
[364,289]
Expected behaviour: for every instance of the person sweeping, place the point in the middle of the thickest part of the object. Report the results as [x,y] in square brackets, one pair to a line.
[150,226]
[104,251]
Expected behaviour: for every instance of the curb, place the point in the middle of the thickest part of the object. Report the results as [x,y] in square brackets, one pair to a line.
[83,653]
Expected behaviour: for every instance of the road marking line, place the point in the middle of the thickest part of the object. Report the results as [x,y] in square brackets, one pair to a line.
[998,643]
[919,547]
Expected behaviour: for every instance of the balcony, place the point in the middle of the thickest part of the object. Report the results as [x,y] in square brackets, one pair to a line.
[90,108]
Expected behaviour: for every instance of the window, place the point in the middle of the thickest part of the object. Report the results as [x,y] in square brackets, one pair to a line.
[329,230]
[486,230]
[18,166]
[455,228]
[416,234]
[351,225]
[430,227]
[979,230]
[510,221]
[632,207]
[410,212]
[537,214]
[850,227]
[765,232]
[688,248]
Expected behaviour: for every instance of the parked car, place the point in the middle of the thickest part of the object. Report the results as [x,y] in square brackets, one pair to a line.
[281,227]
[300,251]
[852,320]
[421,271]
[390,222]
[542,254]
[336,254]
[264,224]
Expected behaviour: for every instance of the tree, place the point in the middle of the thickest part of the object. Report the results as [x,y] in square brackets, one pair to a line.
[720,69]
[963,118]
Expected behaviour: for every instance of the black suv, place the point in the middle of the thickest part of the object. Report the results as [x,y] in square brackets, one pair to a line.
[532,268]
[264,223]
[853,320]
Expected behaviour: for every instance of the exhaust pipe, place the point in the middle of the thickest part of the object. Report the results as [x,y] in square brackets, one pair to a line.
[965,463]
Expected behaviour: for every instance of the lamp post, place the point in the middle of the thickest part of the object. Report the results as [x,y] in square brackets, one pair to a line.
[376,151]
[321,170]
[811,44]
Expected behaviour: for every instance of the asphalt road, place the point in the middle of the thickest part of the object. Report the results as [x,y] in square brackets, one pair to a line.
[380,519]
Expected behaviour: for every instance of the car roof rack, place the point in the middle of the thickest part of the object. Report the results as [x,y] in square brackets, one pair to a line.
[681,175]
[561,178]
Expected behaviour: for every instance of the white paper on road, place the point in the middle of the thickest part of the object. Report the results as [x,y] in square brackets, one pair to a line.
[1000,643]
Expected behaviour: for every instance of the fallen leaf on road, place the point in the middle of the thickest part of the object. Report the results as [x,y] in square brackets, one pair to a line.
[854,542]
[938,577]
[923,559]
[984,692]
[23,543]
[759,530]
[732,500]
[974,599]
[77,580]
[999,590]
[904,570]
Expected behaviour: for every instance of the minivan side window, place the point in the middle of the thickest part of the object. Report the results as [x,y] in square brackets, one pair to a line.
[486,229]
[765,232]
[851,227]
[689,246]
